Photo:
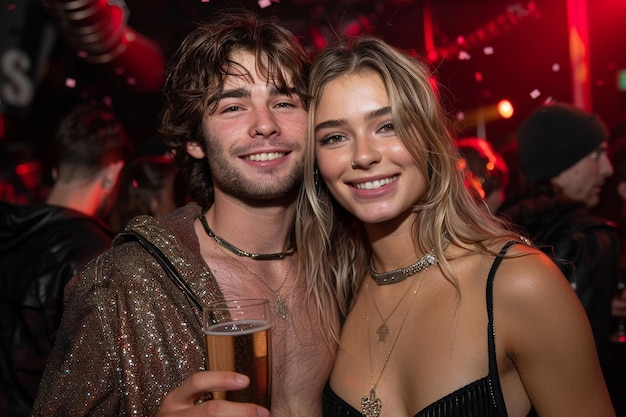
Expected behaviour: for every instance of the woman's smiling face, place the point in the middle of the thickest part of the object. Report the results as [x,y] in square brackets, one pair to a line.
[365,165]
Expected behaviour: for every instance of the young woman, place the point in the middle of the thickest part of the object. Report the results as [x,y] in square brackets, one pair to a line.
[447,313]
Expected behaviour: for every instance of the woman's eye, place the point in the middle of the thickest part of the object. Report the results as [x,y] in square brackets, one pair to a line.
[386,127]
[334,138]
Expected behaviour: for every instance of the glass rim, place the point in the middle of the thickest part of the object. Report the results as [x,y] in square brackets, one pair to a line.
[237,303]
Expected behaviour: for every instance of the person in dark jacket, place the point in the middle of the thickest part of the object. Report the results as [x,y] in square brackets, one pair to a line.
[42,246]
[562,156]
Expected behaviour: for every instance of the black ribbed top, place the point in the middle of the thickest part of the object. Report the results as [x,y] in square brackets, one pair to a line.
[481,398]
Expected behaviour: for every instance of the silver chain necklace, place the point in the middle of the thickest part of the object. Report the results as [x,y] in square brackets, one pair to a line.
[280,304]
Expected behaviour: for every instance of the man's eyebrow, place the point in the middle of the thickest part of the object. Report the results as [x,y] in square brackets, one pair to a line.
[282,91]
[236,93]
[243,93]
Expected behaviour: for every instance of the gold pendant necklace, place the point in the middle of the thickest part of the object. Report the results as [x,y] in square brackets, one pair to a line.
[383,330]
[399,275]
[371,405]
[280,304]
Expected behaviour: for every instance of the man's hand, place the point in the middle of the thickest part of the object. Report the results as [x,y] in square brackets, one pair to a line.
[188,399]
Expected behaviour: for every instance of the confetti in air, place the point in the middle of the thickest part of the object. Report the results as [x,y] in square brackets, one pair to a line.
[535,93]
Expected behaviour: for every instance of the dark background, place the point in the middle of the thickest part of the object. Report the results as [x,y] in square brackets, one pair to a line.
[529,43]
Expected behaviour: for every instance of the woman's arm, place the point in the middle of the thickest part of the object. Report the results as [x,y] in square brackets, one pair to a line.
[549,339]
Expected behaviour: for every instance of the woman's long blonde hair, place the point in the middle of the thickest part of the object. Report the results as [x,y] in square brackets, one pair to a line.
[332,247]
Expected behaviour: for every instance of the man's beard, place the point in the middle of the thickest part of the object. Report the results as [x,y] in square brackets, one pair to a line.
[267,190]
[231,180]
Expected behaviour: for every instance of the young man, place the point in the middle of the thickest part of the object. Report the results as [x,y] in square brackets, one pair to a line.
[42,246]
[236,118]
[562,155]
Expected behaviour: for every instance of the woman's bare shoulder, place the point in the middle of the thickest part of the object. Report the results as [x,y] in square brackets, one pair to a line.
[533,294]
[527,266]
[536,310]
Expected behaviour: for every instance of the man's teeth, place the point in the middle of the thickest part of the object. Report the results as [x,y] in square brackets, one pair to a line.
[370,185]
[265,156]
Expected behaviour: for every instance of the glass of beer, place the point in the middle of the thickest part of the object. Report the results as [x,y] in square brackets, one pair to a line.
[238,338]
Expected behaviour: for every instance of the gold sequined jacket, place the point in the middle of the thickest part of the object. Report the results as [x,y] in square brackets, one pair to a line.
[128,334]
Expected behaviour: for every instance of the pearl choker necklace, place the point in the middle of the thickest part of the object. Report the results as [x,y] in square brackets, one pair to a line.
[400,274]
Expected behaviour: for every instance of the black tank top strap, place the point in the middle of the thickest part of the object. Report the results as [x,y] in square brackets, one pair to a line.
[491,335]
[480,398]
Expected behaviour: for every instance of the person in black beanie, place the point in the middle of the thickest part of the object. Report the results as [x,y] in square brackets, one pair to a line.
[563,159]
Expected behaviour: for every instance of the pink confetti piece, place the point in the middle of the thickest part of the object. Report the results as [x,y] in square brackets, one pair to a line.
[535,93]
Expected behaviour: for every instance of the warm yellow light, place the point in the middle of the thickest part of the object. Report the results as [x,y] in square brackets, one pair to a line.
[505,109]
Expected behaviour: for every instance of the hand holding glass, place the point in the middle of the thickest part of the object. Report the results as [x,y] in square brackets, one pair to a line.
[238,338]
